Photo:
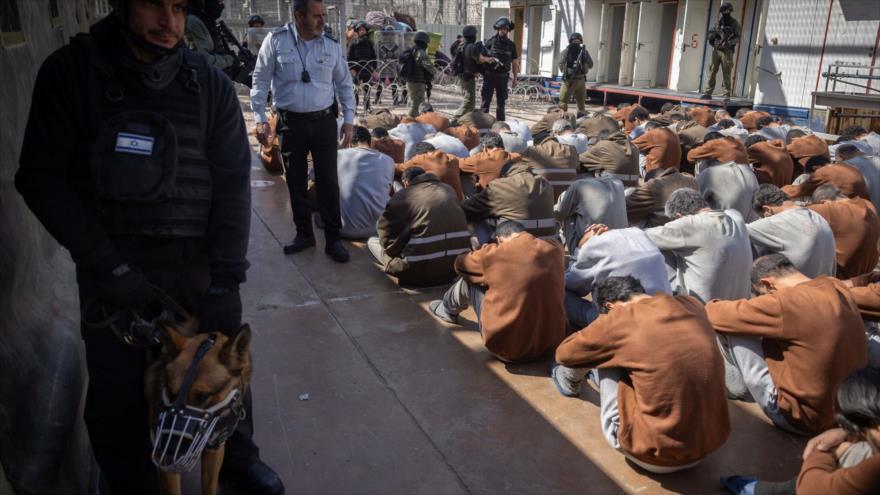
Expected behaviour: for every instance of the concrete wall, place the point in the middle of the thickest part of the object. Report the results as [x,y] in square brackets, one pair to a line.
[43,445]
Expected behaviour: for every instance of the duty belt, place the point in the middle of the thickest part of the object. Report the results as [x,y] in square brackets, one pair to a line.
[287,114]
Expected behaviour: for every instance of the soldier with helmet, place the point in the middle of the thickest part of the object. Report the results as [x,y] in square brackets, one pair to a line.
[495,75]
[467,60]
[723,37]
[362,61]
[147,185]
[256,21]
[574,63]
[416,68]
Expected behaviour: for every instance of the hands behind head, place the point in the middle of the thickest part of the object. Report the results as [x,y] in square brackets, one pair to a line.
[591,231]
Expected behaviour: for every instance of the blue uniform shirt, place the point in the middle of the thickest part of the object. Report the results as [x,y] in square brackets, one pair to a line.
[280,66]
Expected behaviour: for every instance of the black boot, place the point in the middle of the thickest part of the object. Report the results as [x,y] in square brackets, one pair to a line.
[299,243]
[337,251]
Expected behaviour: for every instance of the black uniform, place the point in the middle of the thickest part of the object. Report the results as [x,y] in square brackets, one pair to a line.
[362,59]
[495,78]
[149,165]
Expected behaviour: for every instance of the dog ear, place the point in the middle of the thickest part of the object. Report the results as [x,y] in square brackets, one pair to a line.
[172,341]
[235,351]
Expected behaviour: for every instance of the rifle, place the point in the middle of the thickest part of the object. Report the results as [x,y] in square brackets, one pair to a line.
[242,71]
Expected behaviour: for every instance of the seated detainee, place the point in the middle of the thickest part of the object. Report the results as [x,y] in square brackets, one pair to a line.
[869,166]
[848,179]
[586,202]
[606,253]
[514,142]
[717,148]
[486,165]
[365,177]
[637,120]
[856,229]
[702,115]
[844,460]
[613,156]
[477,119]
[664,417]
[421,231]
[595,124]
[798,233]
[448,144]
[770,128]
[791,345]
[427,115]
[707,251]
[515,126]
[645,205]
[555,161]
[563,131]
[543,128]
[770,160]
[515,288]
[411,133]
[622,115]
[802,147]
[518,194]
[729,186]
[384,143]
[434,161]
[659,148]
[469,136]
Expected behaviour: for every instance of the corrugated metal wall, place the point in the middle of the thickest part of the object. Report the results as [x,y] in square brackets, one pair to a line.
[803,36]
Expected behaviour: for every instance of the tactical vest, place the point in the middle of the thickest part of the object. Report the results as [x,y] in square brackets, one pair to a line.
[411,70]
[361,52]
[470,53]
[502,50]
[575,62]
[147,151]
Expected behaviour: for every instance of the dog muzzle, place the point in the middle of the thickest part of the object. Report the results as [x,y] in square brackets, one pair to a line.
[183,431]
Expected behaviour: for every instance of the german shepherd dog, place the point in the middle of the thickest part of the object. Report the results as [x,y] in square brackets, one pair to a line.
[223,372]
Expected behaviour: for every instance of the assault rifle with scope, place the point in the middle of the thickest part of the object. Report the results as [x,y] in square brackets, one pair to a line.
[243,69]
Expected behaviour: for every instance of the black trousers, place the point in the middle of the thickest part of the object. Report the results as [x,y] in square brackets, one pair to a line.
[494,82]
[116,407]
[299,137]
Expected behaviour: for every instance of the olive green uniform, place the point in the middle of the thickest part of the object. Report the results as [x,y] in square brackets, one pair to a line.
[467,82]
[723,37]
[416,87]
[574,70]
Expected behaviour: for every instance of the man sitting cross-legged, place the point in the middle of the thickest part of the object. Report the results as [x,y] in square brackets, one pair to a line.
[789,347]
[421,231]
[659,373]
[515,288]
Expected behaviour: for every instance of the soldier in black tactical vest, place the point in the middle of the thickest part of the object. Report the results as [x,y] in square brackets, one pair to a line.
[497,74]
[466,64]
[136,159]
[574,63]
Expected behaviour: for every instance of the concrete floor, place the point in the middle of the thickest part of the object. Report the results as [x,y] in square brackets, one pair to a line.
[357,389]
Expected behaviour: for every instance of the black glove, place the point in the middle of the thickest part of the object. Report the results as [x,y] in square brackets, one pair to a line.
[221,311]
[126,288]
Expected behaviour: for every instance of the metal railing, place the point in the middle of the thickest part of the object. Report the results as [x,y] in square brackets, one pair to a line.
[833,76]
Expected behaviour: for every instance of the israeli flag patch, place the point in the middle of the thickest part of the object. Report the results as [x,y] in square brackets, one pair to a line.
[135,144]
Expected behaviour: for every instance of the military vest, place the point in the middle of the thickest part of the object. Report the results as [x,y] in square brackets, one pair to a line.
[147,154]
[503,50]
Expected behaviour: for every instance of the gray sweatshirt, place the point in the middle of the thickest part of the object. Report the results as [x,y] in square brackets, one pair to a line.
[802,235]
[618,253]
[708,255]
[365,177]
[729,186]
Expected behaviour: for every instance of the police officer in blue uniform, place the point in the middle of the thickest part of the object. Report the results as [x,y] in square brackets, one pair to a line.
[496,74]
[307,72]
[135,158]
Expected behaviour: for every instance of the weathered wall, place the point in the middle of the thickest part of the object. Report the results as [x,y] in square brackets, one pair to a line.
[43,444]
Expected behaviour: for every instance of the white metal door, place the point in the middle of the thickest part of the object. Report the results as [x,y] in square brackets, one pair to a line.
[647,39]
[602,55]
[628,52]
